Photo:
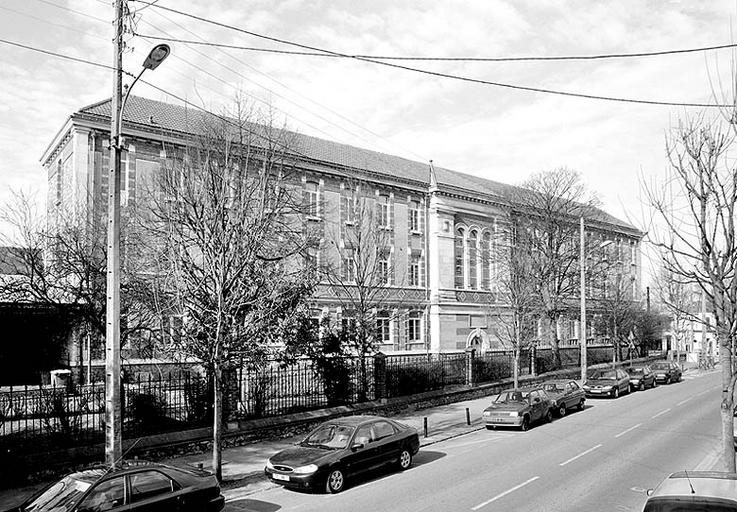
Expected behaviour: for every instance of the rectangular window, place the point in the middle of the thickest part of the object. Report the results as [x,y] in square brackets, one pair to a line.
[413,217]
[383,268]
[383,332]
[384,211]
[413,329]
[348,267]
[414,271]
[310,199]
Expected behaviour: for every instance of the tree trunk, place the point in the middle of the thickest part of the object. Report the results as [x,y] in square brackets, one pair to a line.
[516,365]
[727,407]
[553,336]
[217,424]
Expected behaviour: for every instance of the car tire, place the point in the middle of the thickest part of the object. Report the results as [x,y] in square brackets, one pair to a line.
[667,380]
[335,482]
[548,416]
[405,459]
[642,386]
[562,410]
[581,405]
[490,427]
[525,424]
[615,393]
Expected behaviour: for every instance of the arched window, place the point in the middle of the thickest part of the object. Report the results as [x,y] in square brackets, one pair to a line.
[460,278]
[486,261]
[473,254]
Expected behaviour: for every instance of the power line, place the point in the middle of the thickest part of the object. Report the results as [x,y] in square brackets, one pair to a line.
[444,75]
[449,59]
[337,114]
[60,55]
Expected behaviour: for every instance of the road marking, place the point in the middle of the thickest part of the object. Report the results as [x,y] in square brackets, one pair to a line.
[661,412]
[508,491]
[580,455]
[683,401]
[628,430]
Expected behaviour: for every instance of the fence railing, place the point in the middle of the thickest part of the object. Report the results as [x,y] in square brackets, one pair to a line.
[39,418]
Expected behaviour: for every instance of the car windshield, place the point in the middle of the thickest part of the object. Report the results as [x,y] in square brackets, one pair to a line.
[60,497]
[554,388]
[329,436]
[603,375]
[661,366]
[511,396]
[695,503]
[635,370]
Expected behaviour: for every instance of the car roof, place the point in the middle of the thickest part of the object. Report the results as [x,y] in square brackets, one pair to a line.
[714,484]
[352,421]
[559,381]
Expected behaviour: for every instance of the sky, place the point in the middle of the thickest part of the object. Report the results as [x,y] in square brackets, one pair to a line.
[498,133]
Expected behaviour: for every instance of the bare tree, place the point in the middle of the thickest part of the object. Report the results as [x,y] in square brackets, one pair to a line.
[618,311]
[62,264]
[675,294]
[363,270]
[551,203]
[515,303]
[225,224]
[696,205]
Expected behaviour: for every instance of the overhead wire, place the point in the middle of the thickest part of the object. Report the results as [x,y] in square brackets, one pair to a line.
[449,59]
[266,75]
[439,74]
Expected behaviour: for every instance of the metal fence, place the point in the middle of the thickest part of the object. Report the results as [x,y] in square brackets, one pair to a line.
[406,375]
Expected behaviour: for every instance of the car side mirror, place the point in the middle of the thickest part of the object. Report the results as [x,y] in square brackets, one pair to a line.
[357,446]
[537,400]
[649,492]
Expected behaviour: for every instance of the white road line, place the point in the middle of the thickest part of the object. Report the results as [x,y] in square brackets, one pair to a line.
[684,401]
[480,505]
[580,455]
[628,430]
[661,412]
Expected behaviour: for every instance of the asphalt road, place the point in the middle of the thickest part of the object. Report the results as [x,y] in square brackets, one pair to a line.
[600,459]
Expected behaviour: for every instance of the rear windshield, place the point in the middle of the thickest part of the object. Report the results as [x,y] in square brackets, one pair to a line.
[661,366]
[603,375]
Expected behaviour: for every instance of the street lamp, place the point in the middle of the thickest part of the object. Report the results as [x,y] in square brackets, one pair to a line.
[113,426]
[582,329]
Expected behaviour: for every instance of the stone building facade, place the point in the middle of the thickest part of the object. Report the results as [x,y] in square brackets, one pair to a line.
[442,222]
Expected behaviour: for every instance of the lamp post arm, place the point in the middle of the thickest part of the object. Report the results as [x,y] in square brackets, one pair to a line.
[122,105]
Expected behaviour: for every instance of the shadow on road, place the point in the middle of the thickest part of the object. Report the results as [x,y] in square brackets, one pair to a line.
[426,457]
[251,505]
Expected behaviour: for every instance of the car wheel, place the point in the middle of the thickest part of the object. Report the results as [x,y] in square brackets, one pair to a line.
[489,427]
[642,386]
[405,459]
[581,405]
[615,393]
[335,482]
[525,424]
[562,410]
[549,415]
[667,380]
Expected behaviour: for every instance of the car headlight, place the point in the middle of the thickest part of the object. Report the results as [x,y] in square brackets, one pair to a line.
[269,464]
[514,413]
[606,387]
[305,470]
[487,413]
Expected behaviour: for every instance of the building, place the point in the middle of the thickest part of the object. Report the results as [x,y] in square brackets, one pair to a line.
[441,222]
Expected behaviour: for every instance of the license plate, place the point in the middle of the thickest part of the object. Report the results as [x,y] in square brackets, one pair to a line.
[283,478]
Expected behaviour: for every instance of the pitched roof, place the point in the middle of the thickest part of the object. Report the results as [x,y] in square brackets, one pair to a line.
[159,115]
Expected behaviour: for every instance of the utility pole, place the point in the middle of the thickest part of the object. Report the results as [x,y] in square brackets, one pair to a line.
[113,425]
[582,329]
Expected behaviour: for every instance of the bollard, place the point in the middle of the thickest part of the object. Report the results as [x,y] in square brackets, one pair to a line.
[468,416]
[424,421]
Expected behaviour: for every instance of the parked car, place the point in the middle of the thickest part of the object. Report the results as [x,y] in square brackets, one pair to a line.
[519,408]
[132,487]
[666,372]
[609,382]
[341,448]
[694,490]
[565,394]
[641,377]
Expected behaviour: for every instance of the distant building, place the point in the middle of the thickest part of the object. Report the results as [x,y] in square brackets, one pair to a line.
[442,225]
[697,333]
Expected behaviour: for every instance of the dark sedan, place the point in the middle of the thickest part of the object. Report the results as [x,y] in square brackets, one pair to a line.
[666,372]
[607,383]
[134,486]
[641,377]
[565,394]
[341,448]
